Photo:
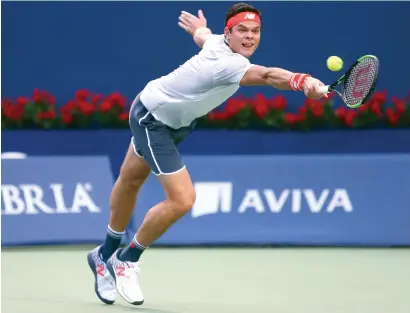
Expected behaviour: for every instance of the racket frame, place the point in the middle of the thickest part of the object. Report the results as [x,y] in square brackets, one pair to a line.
[332,87]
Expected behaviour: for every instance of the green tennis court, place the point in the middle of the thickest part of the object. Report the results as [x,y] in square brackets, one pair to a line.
[176,280]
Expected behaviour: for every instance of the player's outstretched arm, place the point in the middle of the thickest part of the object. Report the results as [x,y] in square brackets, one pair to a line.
[195,26]
[283,79]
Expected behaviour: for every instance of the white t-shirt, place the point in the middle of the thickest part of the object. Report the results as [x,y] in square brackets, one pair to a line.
[198,86]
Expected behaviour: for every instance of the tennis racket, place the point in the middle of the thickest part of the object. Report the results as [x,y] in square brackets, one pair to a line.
[358,83]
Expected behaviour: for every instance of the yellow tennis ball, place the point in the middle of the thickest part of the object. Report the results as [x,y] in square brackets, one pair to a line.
[334,63]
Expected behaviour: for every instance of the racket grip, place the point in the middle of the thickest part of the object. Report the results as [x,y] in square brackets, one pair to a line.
[324,89]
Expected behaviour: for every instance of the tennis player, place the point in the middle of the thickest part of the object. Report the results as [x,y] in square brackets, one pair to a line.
[162,116]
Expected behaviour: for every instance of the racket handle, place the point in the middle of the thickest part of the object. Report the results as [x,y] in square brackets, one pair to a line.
[324,89]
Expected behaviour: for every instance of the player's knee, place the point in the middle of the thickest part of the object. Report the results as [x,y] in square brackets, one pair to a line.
[184,202]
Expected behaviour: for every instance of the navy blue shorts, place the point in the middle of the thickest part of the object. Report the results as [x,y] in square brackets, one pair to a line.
[156,142]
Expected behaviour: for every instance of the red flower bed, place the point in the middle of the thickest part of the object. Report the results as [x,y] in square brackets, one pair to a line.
[88,110]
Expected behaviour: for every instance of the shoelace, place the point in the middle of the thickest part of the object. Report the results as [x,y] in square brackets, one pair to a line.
[130,268]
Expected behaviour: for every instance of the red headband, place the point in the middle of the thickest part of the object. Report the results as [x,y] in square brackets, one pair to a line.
[243,17]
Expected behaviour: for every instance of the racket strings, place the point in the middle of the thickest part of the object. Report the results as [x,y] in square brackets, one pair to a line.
[361,81]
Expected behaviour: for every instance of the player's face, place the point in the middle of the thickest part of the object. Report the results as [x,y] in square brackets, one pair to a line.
[244,38]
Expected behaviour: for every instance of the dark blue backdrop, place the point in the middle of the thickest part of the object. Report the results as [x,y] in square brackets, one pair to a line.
[119,46]
[352,186]
[114,143]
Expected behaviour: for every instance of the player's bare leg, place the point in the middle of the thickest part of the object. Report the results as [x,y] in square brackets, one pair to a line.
[134,172]
[180,197]
[124,265]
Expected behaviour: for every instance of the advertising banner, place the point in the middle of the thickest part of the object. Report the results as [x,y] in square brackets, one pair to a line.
[47,200]
[292,200]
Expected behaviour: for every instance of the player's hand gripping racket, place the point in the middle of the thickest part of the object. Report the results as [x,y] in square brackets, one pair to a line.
[358,82]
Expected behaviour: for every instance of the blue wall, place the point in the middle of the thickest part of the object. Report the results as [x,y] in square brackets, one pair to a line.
[114,143]
[324,188]
[119,46]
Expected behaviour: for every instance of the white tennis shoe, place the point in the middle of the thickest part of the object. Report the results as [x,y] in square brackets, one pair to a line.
[126,275]
[104,284]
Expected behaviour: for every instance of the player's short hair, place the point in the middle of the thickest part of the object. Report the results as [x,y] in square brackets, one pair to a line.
[241,7]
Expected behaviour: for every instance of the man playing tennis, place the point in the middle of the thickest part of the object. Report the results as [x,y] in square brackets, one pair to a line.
[161,116]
